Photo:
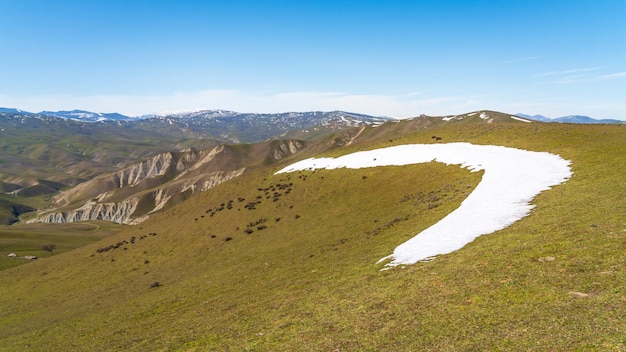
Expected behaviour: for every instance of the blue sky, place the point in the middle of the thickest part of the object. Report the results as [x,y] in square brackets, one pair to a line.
[395,58]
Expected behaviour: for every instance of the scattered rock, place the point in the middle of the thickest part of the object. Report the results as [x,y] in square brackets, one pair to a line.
[578,294]
[12,255]
[547,259]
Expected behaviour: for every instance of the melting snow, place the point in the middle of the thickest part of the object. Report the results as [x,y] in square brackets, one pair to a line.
[519,119]
[455,117]
[512,177]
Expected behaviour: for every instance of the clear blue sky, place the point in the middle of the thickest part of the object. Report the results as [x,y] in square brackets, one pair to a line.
[396,58]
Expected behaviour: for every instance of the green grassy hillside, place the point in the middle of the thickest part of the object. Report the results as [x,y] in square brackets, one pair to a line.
[288,262]
[28,240]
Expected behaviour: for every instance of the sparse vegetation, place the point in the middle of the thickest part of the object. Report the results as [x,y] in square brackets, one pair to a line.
[49,248]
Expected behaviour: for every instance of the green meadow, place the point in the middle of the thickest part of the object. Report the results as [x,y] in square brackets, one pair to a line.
[287,262]
[29,239]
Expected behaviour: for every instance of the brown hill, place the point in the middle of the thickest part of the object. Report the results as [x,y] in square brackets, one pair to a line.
[129,195]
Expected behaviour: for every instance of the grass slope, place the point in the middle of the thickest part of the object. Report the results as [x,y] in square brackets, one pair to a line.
[305,278]
[28,240]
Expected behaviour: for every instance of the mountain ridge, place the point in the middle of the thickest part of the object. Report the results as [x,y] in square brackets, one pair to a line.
[580,119]
[224,125]
[89,116]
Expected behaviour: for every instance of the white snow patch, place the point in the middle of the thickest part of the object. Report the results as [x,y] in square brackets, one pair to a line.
[519,119]
[484,116]
[512,177]
[472,114]
[455,117]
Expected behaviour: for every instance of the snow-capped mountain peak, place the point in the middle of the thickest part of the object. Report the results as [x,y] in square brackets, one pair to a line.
[86,116]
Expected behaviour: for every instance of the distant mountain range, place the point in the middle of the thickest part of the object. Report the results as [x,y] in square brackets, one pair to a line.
[76,115]
[86,116]
[293,119]
[223,125]
[569,119]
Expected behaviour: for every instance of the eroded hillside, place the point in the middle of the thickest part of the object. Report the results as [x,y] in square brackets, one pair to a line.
[131,194]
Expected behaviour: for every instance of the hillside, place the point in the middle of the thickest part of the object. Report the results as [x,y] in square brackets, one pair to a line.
[128,192]
[44,153]
[287,262]
[130,195]
[28,240]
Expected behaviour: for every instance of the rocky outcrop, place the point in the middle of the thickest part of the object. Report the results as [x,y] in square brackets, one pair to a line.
[116,212]
[124,212]
[134,193]
[286,148]
[156,166]
[166,166]
[160,199]
[192,160]
[220,177]
[208,182]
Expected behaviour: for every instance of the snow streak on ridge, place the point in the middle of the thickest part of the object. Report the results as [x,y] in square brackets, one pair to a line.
[512,178]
